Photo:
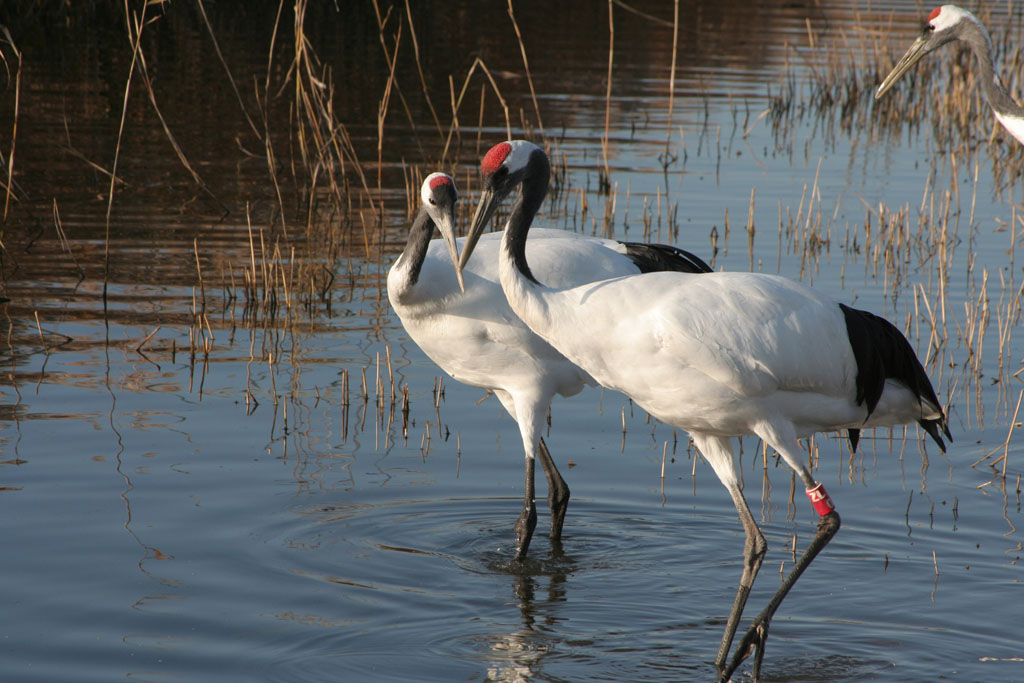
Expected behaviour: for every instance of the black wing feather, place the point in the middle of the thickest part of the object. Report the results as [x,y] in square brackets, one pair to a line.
[652,258]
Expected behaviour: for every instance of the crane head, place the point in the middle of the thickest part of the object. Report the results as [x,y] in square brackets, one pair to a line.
[504,167]
[439,195]
[945,24]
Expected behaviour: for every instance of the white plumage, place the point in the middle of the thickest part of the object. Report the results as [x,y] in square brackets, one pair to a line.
[476,338]
[719,355]
[724,353]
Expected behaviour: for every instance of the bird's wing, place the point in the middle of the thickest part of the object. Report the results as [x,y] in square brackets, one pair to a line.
[561,259]
[749,334]
[757,334]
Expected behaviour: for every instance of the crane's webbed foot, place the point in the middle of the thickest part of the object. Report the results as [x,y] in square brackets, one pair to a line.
[751,644]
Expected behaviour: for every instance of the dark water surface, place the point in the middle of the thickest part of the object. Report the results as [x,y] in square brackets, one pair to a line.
[193,486]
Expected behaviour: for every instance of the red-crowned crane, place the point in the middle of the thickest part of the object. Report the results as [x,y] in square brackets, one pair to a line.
[946,24]
[474,336]
[720,355]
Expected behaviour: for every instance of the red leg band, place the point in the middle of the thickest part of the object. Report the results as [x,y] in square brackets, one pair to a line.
[820,500]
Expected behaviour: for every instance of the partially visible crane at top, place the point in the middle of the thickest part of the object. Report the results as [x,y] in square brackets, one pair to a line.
[946,24]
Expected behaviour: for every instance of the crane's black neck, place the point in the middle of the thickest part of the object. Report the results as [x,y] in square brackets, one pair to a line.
[533,190]
[415,251]
[999,97]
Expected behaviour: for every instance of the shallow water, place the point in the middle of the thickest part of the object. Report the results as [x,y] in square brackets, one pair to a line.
[245,514]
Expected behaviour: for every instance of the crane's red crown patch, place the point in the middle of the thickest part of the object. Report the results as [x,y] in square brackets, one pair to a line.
[494,158]
[935,12]
[439,180]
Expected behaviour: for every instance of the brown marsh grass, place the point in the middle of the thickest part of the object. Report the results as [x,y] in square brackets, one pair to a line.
[330,221]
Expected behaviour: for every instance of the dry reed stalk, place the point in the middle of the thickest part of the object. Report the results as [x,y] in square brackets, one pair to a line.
[224,63]
[273,376]
[1004,327]
[39,328]
[135,24]
[391,372]
[199,272]
[209,331]
[265,268]
[62,237]
[138,347]
[671,77]
[608,220]
[456,126]
[605,179]
[411,180]
[982,323]
[268,145]
[935,344]
[250,274]
[1006,445]
[480,119]
[419,68]
[526,66]
[750,228]
[9,185]
[382,112]
[378,384]
[344,418]
[657,197]
[323,142]
[645,216]
[144,72]
[462,93]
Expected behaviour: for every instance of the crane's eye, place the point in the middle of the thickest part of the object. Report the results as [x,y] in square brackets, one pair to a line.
[432,202]
[501,173]
[928,28]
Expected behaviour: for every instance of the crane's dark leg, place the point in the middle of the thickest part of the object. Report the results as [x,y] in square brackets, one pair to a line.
[756,636]
[754,549]
[527,521]
[718,452]
[558,493]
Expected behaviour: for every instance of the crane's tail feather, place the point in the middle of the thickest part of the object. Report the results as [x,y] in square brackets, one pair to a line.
[882,353]
[933,426]
[651,258]
[854,436]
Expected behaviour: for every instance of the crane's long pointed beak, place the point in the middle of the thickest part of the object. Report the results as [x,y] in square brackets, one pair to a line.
[918,50]
[446,227]
[484,210]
